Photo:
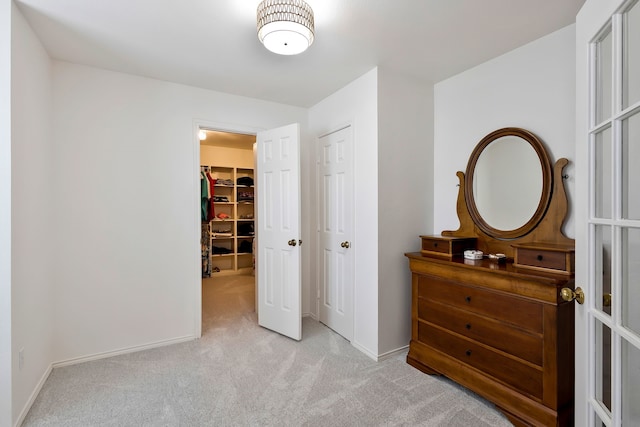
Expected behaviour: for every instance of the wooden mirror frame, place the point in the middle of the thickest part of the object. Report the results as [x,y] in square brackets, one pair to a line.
[547,180]
[545,226]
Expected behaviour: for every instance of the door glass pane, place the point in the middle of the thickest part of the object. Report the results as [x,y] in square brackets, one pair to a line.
[603,175]
[604,60]
[602,265]
[631,57]
[631,279]
[630,169]
[630,385]
[603,364]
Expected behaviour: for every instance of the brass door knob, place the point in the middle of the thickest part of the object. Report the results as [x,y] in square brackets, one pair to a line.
[569,294]
[292,242]
[606,300]
[345,245]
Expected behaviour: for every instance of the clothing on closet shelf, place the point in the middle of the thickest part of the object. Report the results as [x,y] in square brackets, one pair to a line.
[246,229]
[221,233]
[245,196]
[246,246]
[245,180]
[217,250]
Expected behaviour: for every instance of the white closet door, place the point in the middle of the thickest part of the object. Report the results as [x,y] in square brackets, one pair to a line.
[278,230]
[335,229]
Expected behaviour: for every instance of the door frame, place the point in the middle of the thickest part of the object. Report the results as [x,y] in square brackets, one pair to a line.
[196,286]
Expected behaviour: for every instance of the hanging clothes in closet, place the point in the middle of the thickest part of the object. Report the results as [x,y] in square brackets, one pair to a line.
[207,195]
[206,209]
[204,196]
[212,185]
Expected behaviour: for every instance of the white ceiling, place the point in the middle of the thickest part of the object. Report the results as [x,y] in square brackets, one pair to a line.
[212,44]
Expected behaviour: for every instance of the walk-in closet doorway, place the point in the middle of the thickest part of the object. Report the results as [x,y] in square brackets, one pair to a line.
[227,220]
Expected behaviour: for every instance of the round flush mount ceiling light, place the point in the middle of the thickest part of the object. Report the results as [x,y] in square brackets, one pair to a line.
[285,27]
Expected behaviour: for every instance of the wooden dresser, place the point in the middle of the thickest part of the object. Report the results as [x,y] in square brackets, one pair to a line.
[503,332]
[500,325]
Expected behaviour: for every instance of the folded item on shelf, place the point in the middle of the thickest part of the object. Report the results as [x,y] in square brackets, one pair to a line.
[224,182]
[245,229]
[244,196]
[219,250]
[245,246]
[245,180]
[222,215]
[220,232]
[224,199]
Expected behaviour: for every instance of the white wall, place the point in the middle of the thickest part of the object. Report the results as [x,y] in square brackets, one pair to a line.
[5,213]
[31,230]
[532,87]
[356,104]
[405,199]
[125,182]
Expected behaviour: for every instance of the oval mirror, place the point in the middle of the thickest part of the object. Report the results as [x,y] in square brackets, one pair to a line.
[508,183]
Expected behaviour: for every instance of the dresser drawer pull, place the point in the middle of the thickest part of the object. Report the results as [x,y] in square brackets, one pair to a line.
[468,352]
[468,325]
[539,257]
[467,299]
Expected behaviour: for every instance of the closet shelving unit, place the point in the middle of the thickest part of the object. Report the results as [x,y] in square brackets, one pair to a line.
[231,238]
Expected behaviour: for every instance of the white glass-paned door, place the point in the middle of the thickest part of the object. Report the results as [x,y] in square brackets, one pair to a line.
[614,222]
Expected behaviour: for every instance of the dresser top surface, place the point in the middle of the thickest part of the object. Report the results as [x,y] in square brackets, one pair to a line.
[488,265]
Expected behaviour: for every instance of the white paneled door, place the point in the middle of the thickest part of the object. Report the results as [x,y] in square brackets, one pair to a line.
[608,214]
[335,230]
[278,230]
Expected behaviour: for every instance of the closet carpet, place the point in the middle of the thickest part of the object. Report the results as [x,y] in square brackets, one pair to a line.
[239,374]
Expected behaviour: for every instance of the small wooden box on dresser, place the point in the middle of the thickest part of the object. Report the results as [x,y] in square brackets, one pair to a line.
[500,328]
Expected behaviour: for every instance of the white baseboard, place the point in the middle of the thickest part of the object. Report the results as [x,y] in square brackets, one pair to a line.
[365,350]
[389,354]
[34,394]
[379,357]
[126,350]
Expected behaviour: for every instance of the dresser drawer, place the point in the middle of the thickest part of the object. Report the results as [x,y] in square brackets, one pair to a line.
[544,259]
[555,258]
[515,341]
[446,246]
[519,375]
[513,310]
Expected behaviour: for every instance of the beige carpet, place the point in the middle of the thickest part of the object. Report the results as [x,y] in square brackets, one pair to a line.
[239,374]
